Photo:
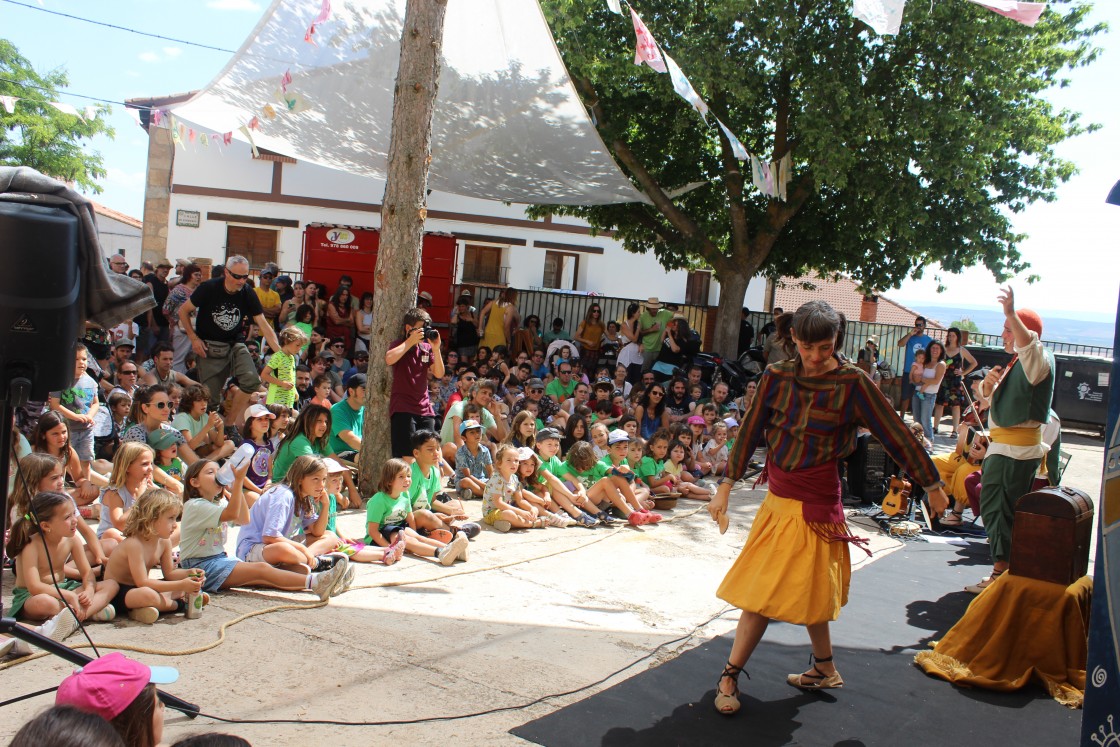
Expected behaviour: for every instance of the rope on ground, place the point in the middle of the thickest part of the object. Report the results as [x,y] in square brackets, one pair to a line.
[313,605]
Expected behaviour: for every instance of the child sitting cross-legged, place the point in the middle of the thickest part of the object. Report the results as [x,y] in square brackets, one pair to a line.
[390,521]
[534,494]
[618,446]
[288,526]
[499,507]
[359,552]
[151,522]
[435,513]
[473,464]
[572,500]
[207,514]
[675,466]
[43,539]
[651,470]
[604,490]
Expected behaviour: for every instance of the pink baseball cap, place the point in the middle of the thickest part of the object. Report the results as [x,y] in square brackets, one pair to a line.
[107,686]
[696,420]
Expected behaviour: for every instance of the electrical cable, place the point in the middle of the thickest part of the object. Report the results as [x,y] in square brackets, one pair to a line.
[67,93]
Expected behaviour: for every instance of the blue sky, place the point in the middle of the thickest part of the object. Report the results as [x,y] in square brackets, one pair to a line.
[1073,242]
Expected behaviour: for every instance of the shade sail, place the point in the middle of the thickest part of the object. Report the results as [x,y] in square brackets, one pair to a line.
[508,124]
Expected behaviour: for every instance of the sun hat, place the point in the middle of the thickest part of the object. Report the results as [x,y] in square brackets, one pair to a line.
[731,422]
[696,420]
[107,686]
[616,436]
[653,302]
[546,433]
[524,454]
[425,295]
[469,425]
[163,438]
[333,467]
[874,340]
[259,411]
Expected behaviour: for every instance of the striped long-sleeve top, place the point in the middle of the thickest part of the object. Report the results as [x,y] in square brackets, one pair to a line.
[808,421]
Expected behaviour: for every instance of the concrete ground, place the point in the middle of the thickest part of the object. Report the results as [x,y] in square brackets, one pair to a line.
[533,614]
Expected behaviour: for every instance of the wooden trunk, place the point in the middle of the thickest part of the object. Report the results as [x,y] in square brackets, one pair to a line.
[1051,534]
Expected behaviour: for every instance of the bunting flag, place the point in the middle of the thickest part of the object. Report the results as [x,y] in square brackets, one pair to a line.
[324,12]
[736,147]
[204,139]
[244,130]
[646,50]
[767,179]
[135,114]
[1025,13]
[785,174]
[293,102]
[684,88]
[157,117]
[190,135]
[227,138]
[65,108]
[615,6]
[176,135]
[757,177]
[269,111]
[254,124]
[884,16]
[285,80]
[310,33]
[9,103]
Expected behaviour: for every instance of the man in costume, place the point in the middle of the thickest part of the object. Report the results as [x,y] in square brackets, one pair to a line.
[1020,396]
[795,566]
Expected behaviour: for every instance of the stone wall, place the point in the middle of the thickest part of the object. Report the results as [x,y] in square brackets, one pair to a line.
[157,194]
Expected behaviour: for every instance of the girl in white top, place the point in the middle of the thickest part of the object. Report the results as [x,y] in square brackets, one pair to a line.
[932,372]
[130,479]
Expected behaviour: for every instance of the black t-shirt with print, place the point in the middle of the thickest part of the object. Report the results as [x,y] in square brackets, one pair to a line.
[159,291]
[222,316]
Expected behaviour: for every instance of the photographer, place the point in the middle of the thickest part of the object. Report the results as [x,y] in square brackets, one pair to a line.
[410,408]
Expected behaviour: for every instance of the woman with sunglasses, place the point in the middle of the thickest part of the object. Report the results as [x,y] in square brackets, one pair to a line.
[589,336]
[651,412]
[151,411]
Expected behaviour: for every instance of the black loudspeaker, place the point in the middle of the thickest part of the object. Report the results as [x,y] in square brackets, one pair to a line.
[39,314]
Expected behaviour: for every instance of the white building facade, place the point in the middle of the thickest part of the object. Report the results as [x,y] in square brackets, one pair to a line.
[223,200]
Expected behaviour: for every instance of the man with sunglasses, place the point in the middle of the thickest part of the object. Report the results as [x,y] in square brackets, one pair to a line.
[916,340]
[225,306]
[562,387]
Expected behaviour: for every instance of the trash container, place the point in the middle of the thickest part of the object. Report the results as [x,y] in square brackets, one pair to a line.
[1081,389]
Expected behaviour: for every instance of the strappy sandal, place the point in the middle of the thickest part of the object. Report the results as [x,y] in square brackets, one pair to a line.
[728,705]
[818,681]
[954,519]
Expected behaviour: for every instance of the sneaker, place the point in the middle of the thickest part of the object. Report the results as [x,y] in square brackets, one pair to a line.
[14,647]
[323,582]
[146,615]
[329,560]
[466,494]
[586,520]
[105,614]
[606,519]
[563,521]
[471,529]
[462,547]
[503,526]
[445,555]
[60,627]
[979,587]
[346,581]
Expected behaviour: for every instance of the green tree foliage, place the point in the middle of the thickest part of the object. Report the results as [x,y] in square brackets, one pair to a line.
[40,136]
[906,150]
[965,325]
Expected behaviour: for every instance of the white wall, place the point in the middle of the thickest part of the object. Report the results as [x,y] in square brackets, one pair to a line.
[615,272]
[113,235]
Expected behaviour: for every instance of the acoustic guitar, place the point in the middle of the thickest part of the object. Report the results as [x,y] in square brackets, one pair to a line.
[897,500]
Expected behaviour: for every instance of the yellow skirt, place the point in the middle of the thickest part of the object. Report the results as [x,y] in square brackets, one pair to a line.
[786,571]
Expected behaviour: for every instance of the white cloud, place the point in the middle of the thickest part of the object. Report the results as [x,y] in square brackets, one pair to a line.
[172,52]
[149,57]
[233,5]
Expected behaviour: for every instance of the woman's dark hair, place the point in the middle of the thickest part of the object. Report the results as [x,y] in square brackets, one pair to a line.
[683,330]
[67,726]
[305,313]
[134,723]
[143,396]
[632,309]
[479,357]
[48,421]
[533,318]
[953,331]
[644,402]
[336,300]
[570,439]
[189,270]
[929,351]
[212,740]
[816,321]
[302,424]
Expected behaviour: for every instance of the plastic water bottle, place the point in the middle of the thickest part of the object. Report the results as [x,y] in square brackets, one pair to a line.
[244,452]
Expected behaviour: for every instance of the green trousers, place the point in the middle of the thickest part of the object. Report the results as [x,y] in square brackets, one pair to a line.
[1004,482]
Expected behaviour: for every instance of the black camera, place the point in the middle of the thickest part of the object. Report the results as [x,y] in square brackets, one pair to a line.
[430,332]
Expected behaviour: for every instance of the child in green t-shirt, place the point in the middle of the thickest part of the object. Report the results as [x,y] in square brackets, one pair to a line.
[433,509]
[280,370]
[390,522]
[574,501]
[359,552]
[603,489]
[635,493]
[651,470]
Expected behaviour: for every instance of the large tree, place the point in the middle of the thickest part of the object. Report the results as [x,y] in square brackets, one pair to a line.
[37,134]
[906,150]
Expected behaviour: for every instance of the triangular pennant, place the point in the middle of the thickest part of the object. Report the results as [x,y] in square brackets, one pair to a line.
[757,177]
[324,12]
[157,117]
[294,103]
[227,138]
[646,50]
[684,88]
[1025,13]
[204,139]
[244,130]
[737,147]
[785,174]
[269,111]
[308,37]
[9,103]
[254,124]
[190,134]
[176,133]
[615,6]
[65,108]
[285,80]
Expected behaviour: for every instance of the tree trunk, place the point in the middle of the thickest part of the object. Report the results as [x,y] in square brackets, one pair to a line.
[403,211]
[733,281]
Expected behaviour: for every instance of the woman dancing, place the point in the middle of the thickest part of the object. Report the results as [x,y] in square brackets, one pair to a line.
[795,566]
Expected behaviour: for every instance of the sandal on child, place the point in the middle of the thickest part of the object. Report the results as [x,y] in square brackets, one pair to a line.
[818,681]
[728,705]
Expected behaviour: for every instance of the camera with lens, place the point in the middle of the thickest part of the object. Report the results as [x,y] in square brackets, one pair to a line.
[430,332]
